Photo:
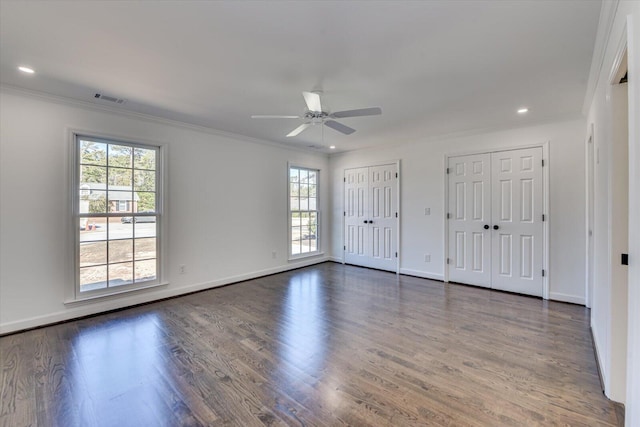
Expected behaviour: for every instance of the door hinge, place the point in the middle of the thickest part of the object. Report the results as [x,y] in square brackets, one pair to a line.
[542,217]
[345,247]
[396,214]
[396,254]
[345,179]
[345,213]
[448,215]
[396,174]
[447,171]
[542,273]
[542,162]
[448,260]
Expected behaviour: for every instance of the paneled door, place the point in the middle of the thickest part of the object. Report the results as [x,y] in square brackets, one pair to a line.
[517,221]
[470,219]
[371,220]
[495,220]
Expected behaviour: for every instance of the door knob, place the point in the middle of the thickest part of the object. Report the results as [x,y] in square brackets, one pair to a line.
[486,226]
[366,222]
[495,227]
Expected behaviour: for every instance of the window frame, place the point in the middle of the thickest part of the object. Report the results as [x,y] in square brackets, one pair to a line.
[318,250]
[160,228]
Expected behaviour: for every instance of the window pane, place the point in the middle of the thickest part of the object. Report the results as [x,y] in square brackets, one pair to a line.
[92,201]
[312,177]
[93,278]
[119,156]
[144,159]
[120,274]
[294,190]
[120,179]
[93,174]
[312,190]
[304,176]
[92,229]
[312,204]
[93,253]
[145,270]
[304,203]
[120,250]
[146,202]
[313,245]
[295,248]
[293,175]
[145,249]
[312,226]
[295,233]
[145,226]
[121,228]
[295,219]
[93,153]
[116,196]
[304,190]
[144,180]
[294,204]
[304,246]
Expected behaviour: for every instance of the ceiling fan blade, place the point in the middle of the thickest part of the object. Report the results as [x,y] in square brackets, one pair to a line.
[373,111]
[299,129]
[313,101]
[269,116]
[339,127]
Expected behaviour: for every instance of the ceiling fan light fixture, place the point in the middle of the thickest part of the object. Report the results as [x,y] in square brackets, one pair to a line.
[332,147]
[523,110]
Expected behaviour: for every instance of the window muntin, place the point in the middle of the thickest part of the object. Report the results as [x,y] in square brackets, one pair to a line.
[117,215]
[303,211]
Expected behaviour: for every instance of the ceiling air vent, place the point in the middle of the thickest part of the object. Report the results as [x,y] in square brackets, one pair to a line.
[110,98]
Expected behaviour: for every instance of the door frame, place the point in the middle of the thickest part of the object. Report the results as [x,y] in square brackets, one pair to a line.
[590,210]
[545,205]
[398,199]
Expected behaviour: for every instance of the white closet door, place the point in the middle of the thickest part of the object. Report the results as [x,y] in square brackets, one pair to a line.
[356,211]
[517,213]
[469,216]
[382,216]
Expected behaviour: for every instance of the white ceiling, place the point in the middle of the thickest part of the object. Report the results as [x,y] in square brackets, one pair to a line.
[435,67]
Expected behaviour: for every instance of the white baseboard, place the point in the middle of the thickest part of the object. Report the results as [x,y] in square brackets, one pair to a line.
[423,274]
[557,296]
[335,259]
[601,366]
[91,307]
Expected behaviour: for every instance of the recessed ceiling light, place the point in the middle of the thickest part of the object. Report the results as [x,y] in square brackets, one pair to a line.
[523,110]
[332,147]
[26,70]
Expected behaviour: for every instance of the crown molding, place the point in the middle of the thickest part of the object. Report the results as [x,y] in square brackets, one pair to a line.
[63,100]
[605,24]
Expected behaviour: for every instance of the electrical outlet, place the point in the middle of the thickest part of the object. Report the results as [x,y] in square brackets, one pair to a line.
[183,269]
[274,254]
[427,211]
[427,257]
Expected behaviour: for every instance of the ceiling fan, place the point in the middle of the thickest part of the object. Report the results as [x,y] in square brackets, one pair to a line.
[316,115]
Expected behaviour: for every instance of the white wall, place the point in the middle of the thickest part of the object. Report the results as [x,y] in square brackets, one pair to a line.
[226,207]
[422,182]
[618,354]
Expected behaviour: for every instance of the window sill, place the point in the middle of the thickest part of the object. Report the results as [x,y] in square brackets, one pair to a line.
[304,256]
[90,298]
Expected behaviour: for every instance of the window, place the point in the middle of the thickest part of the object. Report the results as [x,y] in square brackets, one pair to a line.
[116,200]
[303,211]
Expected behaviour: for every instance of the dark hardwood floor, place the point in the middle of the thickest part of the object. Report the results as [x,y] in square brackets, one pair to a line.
[323,345]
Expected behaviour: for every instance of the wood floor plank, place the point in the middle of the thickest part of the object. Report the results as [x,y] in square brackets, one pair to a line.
[320,346]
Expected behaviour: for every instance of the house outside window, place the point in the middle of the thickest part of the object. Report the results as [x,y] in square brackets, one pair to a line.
[117,215]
